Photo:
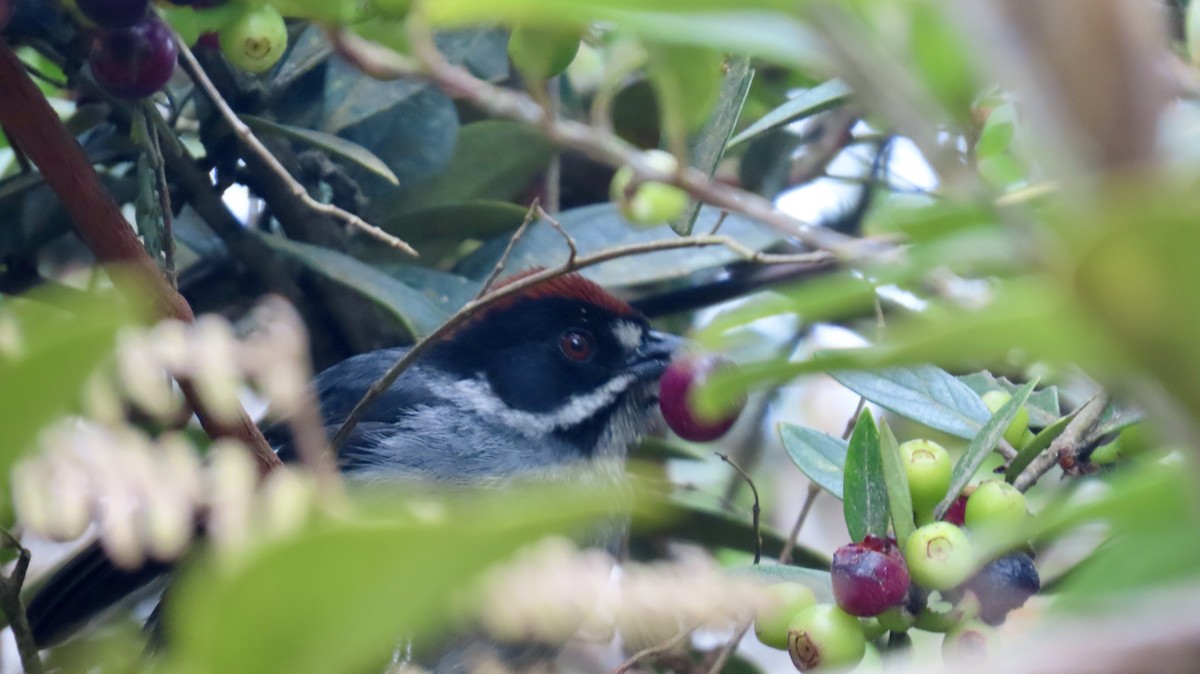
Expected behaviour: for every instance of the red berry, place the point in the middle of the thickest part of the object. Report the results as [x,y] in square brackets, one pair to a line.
[957,513]
[134,62]
[1003,585]
[209,41]
[114,13]
[869,577]
[676,385]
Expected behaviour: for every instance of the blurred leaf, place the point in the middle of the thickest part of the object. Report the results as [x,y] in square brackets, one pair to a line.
[815,579]
[819,456]
[1036,446]
[658,449]
[765,166]
[865,497]
[981,446]
[942,57]
[709,526]
[418,314]
[480,219]
[895,478]
[923,393]
[1042,405]
[1117,417]
[687,83]
[709,144]
[820,98]
[335,146]
[600,226]
[449,292]
[492,160]
[832,297]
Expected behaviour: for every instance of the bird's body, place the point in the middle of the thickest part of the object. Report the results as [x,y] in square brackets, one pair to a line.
[560,377]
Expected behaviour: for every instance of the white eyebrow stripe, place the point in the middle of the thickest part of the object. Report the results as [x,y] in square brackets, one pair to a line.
[477,395]
[629,334]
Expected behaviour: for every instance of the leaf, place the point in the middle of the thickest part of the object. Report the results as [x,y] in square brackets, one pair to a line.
[895,478]
[982,445]
[923,393]
[865,502]
[710,143]
[712,527]
[493,159]
[413,310]
[657,449]
[449,292]
[687,84]
[476,219]
[820,98]
[819,456]
[815,579]
[1115,418]
[1043,405]
[1036,446]
[336,146]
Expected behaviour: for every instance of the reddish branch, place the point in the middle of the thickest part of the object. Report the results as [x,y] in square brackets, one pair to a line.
[34,126]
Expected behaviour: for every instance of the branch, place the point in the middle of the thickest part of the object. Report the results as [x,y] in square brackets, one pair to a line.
[755,510]
[1067,445]
[14,608]
[66,169]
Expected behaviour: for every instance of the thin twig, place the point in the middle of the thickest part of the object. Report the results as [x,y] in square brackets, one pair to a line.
[652,650]
[553,179]
[1065,445]
[719,664]
[475,305]
[720,221]
[14,608]
[512,242]
[574,253]
[253,144]
[755,510]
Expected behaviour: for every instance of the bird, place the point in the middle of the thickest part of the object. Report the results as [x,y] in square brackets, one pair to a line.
[559,376]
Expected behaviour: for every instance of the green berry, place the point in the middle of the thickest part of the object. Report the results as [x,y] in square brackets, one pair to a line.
[541,53]
[825,637]
[1015,433]
[783,602]
[939,556]
[997,507]
[649,203]
[929,467]
[256,39]
[872,628]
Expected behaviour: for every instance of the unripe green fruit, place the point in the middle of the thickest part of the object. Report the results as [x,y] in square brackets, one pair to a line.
[541,53]
[650,203]
[996,507]
[939,556]
[872,628]
[896,619]
[1015,433]
[825,637]
[783,602]
[929,467]
[256,39]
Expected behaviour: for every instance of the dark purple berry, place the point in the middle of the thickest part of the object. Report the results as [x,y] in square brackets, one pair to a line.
[134,62]
[957,513]
[1003,585]
[869,577]
[114,13]
[680,379]
[209,41]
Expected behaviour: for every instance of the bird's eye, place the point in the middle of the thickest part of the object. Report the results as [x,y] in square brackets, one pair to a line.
[577,344]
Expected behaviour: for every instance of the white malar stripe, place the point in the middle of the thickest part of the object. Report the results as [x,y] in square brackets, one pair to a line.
[629,334]
[476,395]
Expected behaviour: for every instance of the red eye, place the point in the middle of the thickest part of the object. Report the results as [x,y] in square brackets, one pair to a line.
[576,345]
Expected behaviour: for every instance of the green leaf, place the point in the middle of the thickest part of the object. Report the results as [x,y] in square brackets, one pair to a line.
[687,83]
[413,310]
[1043,404]
[477,219]
[1035,446]
[657,449]
[335,146]
[923,393]
[981,446]
[710,143]
[449,292]
[865,498]
[815,579]
[820,98]
[819,456]
[895,477]
[704,523]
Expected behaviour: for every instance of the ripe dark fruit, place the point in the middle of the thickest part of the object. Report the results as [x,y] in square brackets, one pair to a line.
[256,39]
[114,13]
[957,512]
[1004,585]
[134,62]
[783,602]
[825,637]
[869,577]
[939,556]
[681,378]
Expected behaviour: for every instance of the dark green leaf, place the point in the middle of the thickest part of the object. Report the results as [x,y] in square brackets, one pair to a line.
[895,477]
[687,83]
[923,393]
[335,146]
[1035,446]
[815,579]
[412,309]
[458,221]
[709,526]
[819,456]
[818,99]
[1042,405]
[1117,417]
[657,449]
[449,292]
[982,445]
[865,500]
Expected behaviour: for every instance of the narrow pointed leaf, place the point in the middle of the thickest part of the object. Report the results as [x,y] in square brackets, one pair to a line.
[865,498]
[895,477]
[818,99]
[1036,446]
[819,456]
[335,146]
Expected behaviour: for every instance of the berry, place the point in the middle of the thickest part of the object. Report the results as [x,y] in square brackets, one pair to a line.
[825,637]
[783,602]
[114,13]
[649,203]
[1015,433]
[997,507]
[256,39]
[680,379]
[971,640]
[957,511]
[869,577]
[929,467]
[939,556]
[134,62]
[541,53]
[1003,585]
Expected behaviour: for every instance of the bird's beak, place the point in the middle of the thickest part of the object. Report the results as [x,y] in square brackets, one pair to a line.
[655,353]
